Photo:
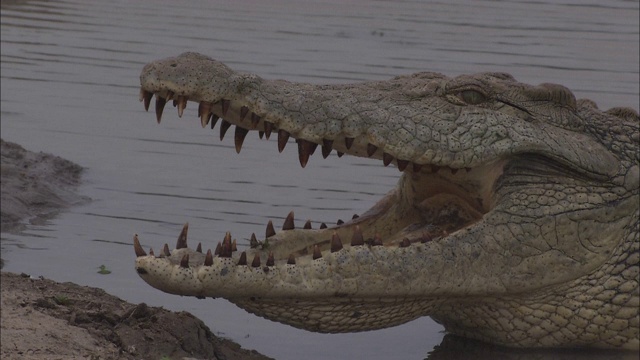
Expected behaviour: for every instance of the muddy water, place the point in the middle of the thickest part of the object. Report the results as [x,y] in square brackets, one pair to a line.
[70,86]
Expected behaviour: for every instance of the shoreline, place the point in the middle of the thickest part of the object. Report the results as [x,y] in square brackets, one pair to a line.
[42,318]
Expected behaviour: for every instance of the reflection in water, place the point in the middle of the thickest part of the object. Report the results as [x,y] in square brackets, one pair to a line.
[70,86]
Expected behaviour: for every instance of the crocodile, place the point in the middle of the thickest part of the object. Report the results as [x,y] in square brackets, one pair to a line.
[514,221]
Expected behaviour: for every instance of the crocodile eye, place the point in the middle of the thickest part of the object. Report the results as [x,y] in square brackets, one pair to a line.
[173,65]
[472,97]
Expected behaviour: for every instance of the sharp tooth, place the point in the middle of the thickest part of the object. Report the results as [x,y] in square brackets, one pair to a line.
[243,259]
[336,244]
[453,171]
[305,149]
[270,230]
[288,222]
[199,248]
[327,146]
[405,243]
[371,149]
[270,260]
[224,126]
[214,120]
[160,103]
[182,103]
[204,120]
[386,159]
[184,263]
[377,241]
[146,97]
[357,238]
[165,250]
[256,261]
[402,164]
[283,137]
[435,168]
[291,260]
[355,216]
[239,137]
[208,259]
[182,239]
[316,252]
[227,248]
[307,225]
[348,142]
[170,95]
[268,128]
[225,106]
[323,226]
[253,242]
[312,147]
[416,167]
[137,247]
[339,154]
[260,134]
[339,222]
[218,249]
[204,111]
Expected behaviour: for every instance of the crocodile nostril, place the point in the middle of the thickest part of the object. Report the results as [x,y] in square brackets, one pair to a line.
[141,271]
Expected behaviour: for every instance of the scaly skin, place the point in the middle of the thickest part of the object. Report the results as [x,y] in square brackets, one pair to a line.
[515,220]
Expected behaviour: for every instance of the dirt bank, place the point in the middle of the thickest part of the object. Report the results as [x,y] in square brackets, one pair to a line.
[44,319]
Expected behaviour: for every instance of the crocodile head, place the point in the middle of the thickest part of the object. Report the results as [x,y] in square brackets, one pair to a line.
[514,206]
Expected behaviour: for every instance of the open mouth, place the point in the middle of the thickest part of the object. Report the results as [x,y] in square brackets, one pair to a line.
[430,202]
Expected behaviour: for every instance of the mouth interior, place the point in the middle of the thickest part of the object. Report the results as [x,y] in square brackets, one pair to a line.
[425,206]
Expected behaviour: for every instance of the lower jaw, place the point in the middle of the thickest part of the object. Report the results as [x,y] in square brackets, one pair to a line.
[390,222]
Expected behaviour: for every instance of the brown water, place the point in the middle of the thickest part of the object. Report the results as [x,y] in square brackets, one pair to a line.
[69,86]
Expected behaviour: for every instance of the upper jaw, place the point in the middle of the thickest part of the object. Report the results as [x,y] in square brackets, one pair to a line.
[351,118]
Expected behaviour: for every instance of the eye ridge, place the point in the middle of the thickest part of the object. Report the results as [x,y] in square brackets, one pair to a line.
[472,97]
